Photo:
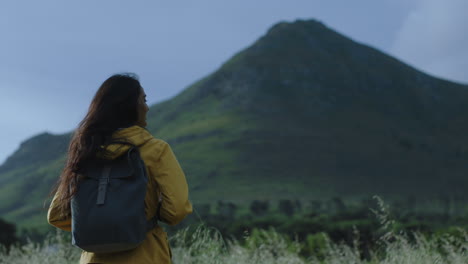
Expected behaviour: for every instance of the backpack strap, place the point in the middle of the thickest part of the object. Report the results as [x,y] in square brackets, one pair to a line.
[102,187]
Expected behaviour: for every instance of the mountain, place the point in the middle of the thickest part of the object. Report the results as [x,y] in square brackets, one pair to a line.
[27,175]
[303,113]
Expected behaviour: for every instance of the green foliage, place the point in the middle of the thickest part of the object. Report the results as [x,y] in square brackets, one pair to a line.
[259,208]
[226,209]
[286,207]
[316,245]
[55,249]
[205,245]
[268,238]
[371,220]
[7,234]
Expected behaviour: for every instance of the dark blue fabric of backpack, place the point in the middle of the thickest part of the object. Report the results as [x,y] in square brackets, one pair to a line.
[108,209]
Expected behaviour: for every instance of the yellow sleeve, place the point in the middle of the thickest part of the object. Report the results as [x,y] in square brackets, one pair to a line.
[53,216]
[175,205]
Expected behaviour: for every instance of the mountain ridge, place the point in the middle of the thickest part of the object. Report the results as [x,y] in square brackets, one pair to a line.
[302,113]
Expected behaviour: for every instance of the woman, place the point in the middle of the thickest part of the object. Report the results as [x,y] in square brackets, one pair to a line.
[118,112]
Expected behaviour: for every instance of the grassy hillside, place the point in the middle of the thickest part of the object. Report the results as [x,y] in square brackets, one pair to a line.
[303,113]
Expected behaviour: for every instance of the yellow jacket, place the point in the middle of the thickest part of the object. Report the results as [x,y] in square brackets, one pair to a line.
[164,172]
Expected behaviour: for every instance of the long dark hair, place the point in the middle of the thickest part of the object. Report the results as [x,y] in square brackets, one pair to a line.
[115,105]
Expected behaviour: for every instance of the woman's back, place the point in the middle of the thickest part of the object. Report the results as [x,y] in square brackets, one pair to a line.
[166,180]
[166,184]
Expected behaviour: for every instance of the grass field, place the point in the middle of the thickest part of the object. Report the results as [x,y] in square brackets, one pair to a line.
[206,245]
[265,246]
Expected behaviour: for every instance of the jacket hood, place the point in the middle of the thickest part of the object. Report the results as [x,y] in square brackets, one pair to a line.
[135,135]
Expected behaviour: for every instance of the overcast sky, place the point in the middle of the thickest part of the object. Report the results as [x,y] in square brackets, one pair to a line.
[55,54]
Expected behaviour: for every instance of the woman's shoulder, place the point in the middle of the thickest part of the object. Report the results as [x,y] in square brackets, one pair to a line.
[154,147]
[139,136]
[157,143]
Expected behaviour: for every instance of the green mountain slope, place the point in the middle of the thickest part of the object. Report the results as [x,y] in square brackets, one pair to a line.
[303,113]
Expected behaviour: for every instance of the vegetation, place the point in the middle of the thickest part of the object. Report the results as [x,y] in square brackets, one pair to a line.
[7,234]
[204,244]
[306,222]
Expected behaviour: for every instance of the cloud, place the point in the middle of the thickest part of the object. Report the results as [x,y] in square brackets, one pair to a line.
[434,38]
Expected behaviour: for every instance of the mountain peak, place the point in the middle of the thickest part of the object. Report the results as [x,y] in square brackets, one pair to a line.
[297,24]
[312,34]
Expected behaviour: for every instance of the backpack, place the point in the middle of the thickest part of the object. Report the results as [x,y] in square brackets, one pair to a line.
[108,209]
